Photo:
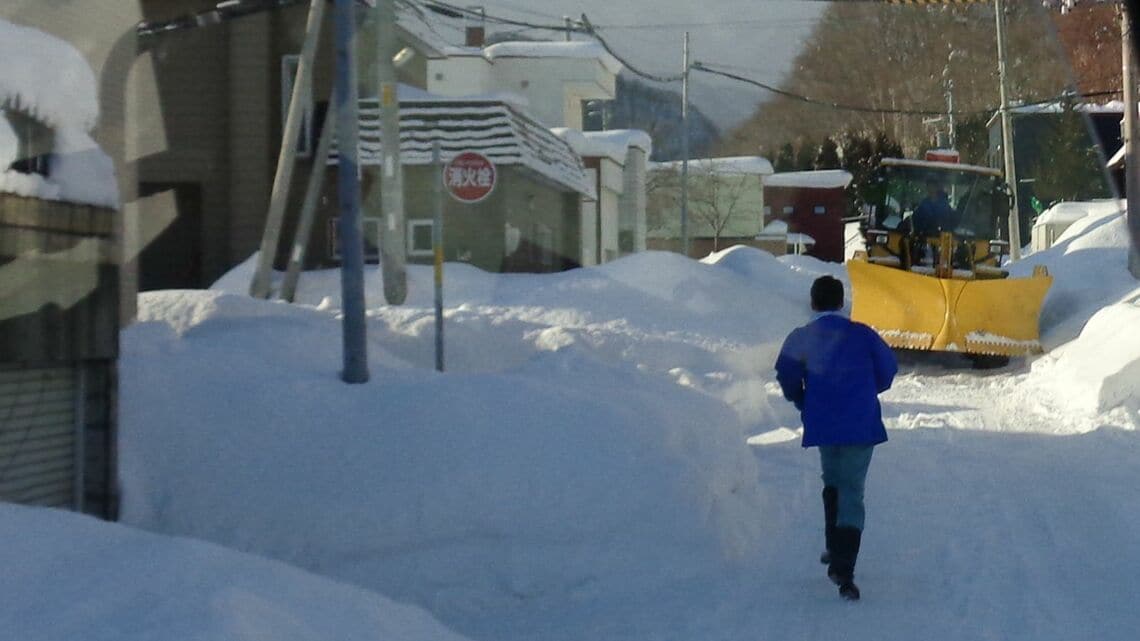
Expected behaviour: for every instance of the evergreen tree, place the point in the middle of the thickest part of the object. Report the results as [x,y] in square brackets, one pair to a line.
[785,158]
[827,156]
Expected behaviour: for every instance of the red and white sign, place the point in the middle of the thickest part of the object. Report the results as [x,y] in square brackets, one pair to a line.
[942,155]
[470,177]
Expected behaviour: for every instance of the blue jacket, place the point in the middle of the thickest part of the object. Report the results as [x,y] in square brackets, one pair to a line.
[833,369]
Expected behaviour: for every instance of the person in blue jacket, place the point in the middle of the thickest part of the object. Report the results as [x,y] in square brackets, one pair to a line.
[833,370]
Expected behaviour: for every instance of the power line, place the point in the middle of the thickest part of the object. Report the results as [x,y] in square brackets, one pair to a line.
[589,28]
[698,66]
[455,11]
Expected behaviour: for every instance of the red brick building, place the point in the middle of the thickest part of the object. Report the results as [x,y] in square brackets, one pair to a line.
[812,203]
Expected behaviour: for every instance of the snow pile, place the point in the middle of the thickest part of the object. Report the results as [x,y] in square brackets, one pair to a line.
[68,576]
[583,468]
[1100,369]
[1088,262]
[563,474]
[46,79]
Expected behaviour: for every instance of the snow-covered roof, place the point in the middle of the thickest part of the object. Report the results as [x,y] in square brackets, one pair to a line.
[739,165]
[1070,212]
[499,130]
[580,50]
[419,32]
[48,80]
[821,179]
[1110,107]
[612,143]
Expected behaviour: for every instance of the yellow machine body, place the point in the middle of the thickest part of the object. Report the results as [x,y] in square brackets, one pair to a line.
[921,311]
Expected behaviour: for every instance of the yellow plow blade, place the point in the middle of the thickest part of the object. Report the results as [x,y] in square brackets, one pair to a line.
[918,311]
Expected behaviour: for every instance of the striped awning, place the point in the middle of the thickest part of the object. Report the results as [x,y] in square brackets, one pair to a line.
[493,128]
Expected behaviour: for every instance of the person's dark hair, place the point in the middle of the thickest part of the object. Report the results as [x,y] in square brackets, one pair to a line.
[826,294]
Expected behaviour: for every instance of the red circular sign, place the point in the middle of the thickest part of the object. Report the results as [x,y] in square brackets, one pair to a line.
[470,176]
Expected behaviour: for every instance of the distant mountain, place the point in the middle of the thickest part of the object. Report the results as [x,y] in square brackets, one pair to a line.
[657,111]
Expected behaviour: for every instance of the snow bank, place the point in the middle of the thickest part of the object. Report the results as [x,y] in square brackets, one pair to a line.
[68,576]
[1089,265]
[1100,369]
[565,473]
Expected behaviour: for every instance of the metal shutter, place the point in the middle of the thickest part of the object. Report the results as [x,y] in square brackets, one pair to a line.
[38,428]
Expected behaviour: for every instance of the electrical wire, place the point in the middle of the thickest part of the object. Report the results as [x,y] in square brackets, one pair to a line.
[699,66]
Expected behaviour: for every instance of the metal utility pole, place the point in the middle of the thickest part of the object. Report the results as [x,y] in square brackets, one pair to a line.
[386,189]
[286,157]
[1007,136]
[348,195]
[437,250]
[685,147]
[1131,149]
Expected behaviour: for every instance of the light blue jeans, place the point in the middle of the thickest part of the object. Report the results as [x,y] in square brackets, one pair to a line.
[845,469]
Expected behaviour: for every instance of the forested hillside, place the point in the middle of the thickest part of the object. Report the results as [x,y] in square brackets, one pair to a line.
[883,61]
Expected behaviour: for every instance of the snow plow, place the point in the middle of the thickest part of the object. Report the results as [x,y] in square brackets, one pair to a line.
[931,275]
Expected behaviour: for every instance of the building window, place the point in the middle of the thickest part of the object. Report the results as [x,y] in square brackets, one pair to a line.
[289,65]
[419,237]
[788,210]
[372,229]
[767,211]
[819,209]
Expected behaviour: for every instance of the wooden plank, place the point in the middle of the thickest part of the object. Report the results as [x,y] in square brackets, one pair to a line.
[10,439]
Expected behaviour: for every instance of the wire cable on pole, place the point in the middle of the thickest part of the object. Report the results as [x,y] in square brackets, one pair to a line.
[699,66]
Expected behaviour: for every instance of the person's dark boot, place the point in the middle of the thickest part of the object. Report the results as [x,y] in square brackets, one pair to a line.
[830,514]
[844,553]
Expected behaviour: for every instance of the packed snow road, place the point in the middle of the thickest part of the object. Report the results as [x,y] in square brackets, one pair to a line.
[971,533]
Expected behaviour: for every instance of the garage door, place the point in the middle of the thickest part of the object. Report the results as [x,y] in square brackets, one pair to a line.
[38,445]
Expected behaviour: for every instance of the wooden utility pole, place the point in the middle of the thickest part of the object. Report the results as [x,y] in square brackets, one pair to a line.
[286,157]
[1131,149]
[685,146]
[1007,137]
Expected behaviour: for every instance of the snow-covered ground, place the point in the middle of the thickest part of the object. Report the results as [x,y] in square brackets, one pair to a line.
[606,457]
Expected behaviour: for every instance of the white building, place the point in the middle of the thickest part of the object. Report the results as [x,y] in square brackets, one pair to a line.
[614,224]
[555,78]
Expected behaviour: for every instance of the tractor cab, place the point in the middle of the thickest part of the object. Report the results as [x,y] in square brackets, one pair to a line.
[921,206]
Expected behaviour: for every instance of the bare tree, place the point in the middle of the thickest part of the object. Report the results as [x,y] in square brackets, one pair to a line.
[717,198]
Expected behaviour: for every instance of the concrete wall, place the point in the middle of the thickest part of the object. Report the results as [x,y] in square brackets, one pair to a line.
[631,207]
[554,87]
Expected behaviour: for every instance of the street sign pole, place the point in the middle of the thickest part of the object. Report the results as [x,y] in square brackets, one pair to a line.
[437,251]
